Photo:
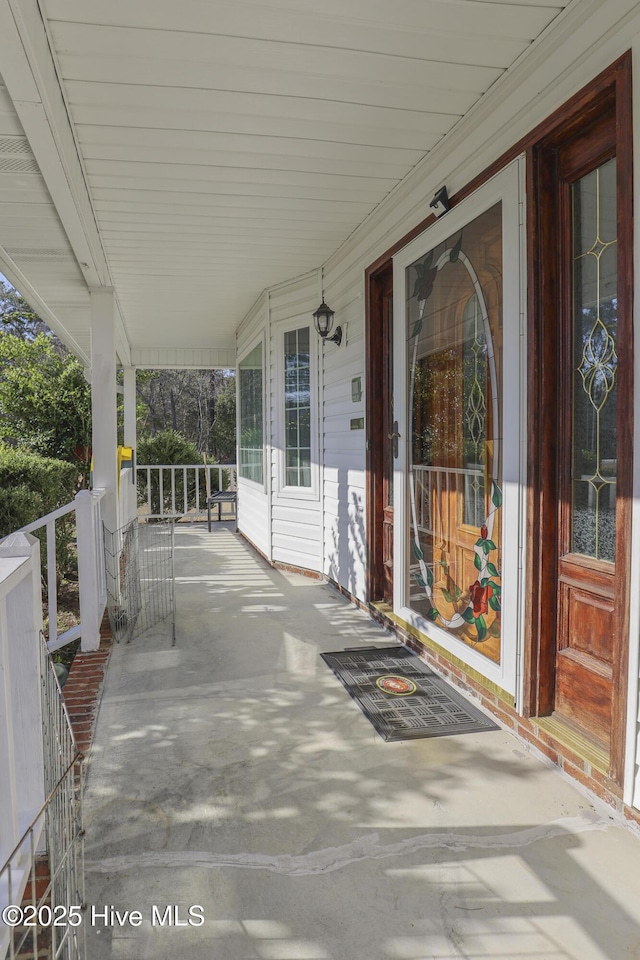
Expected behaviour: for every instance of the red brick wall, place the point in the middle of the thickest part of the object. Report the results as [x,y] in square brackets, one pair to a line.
[83,690]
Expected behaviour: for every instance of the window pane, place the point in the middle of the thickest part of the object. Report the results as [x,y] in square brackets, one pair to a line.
[454,333]
[297,408]
[251,445]
[595,362]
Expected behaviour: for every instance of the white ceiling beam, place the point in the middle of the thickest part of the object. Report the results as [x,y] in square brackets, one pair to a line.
[31,79]
[206,358]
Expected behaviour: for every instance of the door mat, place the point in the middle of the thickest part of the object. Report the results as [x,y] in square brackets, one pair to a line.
[401,697]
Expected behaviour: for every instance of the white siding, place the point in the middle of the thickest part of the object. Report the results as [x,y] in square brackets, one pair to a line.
[296,520]
[344,448]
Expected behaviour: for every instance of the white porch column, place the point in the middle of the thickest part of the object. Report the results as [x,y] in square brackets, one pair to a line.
[21,755]
[130,407]
[103,401]
[130,438]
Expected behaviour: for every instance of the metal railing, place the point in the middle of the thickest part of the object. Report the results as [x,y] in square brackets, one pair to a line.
[44,883]
[91,573]
[168,491]
[140,578]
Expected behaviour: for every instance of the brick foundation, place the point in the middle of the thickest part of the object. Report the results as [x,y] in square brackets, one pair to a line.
[301,571]
[83,689]
[34,898]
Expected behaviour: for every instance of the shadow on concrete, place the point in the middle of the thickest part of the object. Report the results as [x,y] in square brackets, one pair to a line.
[234,772]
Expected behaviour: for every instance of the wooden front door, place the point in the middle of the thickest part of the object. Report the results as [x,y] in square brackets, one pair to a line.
[381,441]
[588,449]
[586,413]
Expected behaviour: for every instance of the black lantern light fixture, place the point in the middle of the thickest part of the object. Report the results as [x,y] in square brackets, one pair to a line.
[440,203]
[323,320]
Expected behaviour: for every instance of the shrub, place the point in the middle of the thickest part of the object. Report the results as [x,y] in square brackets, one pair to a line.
[30,486]
[167,447]
[18,507]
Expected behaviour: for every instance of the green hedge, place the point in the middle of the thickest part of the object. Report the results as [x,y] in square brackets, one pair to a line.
[31,486]
[167,446]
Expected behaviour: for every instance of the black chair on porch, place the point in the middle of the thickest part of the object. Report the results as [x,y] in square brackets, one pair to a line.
[218,498]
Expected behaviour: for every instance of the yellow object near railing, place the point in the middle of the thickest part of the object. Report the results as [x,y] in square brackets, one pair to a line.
[125,461]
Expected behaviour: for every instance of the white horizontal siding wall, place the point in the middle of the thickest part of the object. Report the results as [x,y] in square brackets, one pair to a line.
[253,500]
[344,448]
[296,525]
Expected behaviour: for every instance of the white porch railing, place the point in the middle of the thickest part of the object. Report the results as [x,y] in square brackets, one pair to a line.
[43,875]
[22,787]
[168,491]
[91,574]
[38,786]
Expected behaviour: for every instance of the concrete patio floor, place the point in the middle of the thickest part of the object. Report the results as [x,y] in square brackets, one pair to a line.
[233,772]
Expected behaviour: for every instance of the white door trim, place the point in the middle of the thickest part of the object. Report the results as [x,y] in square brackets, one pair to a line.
[505,187]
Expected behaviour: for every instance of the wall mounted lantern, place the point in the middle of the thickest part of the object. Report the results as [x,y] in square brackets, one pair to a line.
[323,320]
[440,203]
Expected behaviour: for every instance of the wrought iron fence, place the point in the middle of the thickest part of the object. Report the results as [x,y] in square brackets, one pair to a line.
[43,878]
[140,578]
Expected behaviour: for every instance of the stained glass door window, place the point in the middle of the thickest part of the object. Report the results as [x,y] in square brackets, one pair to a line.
[454,475]
[595,362]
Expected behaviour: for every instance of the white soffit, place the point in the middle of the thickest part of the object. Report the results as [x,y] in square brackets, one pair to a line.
[230,145]
[35,254]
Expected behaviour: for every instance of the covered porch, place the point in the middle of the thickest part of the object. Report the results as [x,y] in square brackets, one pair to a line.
[180,186]
[233,772]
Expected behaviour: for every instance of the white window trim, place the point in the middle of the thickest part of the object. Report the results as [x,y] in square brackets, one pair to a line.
[284,491]
[506,187]
[254,484]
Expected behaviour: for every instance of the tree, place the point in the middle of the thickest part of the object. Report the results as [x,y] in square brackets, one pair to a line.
[199,404]
[223,440]
[45,401]
[16,316]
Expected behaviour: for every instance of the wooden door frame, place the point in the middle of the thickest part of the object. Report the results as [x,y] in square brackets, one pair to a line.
[609,93]
[375,278]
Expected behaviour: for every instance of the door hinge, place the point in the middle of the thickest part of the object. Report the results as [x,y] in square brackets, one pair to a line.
[394,439]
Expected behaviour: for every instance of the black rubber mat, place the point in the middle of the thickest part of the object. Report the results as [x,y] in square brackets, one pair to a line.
[402,697]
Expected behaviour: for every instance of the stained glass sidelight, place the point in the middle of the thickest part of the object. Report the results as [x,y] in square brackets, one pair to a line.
[595,360]
[454,331]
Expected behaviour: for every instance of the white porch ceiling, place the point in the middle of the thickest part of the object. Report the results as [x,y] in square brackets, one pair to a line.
[228,145]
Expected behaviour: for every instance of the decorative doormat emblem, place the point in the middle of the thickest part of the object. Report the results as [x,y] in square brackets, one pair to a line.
[397,686]
[401,697]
